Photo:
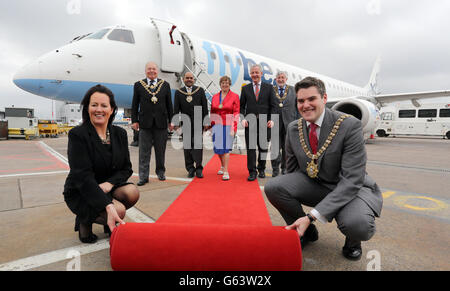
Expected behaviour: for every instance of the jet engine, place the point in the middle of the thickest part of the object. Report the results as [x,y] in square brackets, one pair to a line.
[364,110]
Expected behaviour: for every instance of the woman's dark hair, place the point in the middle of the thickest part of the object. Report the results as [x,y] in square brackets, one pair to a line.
[87,100]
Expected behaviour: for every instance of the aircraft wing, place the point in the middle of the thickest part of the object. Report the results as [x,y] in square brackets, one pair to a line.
[410,96]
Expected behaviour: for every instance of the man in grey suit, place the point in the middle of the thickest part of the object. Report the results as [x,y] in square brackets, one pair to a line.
[285,105]
[326,165]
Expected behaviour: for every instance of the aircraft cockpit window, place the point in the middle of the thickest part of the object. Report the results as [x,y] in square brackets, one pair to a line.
[122,35]
[98,35]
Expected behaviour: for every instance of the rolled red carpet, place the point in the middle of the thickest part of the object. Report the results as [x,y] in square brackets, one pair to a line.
[212,226]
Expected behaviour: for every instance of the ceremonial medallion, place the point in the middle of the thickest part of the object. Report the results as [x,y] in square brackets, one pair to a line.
[312,168]
[189,99]
[147,88]
[281,105]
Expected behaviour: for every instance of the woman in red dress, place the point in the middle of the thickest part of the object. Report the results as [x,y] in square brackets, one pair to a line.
[225,109]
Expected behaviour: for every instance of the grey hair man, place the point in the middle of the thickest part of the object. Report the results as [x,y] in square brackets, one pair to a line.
[285,105]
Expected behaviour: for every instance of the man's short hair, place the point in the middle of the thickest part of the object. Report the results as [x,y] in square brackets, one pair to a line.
[258,66]
[309,82]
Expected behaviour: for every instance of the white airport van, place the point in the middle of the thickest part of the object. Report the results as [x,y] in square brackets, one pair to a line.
[428,119]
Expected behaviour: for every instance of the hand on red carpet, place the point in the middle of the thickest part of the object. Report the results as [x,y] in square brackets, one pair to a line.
[113,217]
[301,225]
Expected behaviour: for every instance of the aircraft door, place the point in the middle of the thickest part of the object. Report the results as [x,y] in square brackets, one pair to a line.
[172,47]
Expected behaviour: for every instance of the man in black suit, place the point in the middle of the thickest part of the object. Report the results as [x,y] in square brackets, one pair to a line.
[191,102]
[151,112]
[256,107]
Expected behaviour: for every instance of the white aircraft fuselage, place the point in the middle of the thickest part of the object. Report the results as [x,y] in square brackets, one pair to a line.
[116,57]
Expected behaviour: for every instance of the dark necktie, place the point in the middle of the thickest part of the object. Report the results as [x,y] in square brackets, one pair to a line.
[281,92]
[313,141]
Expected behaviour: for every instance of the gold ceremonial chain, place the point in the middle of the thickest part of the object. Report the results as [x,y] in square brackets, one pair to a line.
[146,87]
[189,98]
[281,99]
[312,169]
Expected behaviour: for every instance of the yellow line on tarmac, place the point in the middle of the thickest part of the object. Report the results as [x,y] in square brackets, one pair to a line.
[388,194]
[402,202]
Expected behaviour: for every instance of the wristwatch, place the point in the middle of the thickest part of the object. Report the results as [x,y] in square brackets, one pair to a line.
[311,219]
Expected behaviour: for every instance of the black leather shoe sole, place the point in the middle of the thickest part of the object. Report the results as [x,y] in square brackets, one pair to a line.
[161,177]
[251,178]
[311,235]
[352,254]
[142,183]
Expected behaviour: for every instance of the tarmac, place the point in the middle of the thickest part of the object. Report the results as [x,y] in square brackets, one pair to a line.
[413,233]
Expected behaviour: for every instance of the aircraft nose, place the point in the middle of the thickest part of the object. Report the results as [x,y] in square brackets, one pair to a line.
[28,78]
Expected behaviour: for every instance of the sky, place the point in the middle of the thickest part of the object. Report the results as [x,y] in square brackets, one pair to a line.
[337,38]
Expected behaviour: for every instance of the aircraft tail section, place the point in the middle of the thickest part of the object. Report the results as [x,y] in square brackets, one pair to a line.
[373,86]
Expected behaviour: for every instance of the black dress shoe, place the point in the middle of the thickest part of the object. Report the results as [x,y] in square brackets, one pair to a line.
[352,250]
[142,182]
[91,238]
[262,175]
[191,174]
[161,177]
[283,171]
[252,177]
[275,173]
[311,235]
[199,174]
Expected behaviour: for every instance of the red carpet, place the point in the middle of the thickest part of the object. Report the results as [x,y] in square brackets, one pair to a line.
[212,226]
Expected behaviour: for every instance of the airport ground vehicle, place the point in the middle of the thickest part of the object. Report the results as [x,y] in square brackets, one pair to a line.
[427,120]
[48,128]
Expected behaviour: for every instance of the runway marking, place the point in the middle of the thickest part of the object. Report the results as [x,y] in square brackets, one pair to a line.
[169,178]
[54,153]
[34,174]
[388,194]
[401,201]
[53,257]
[62,255]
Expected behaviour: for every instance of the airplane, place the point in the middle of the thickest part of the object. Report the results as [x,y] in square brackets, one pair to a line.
[116,56]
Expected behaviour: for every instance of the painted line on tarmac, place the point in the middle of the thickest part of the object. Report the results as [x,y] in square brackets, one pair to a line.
[168,178]
[53,257]
[54,153]
[34,174]
[61,255]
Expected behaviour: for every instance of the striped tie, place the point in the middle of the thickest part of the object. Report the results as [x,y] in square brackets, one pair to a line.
[256,91]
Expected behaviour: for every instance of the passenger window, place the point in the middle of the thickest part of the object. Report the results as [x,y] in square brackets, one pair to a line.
[98,35]
[122,35]
[445,113]
[407,114]
[428,113]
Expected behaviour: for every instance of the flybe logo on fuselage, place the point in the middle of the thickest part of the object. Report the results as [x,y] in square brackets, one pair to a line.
[235,63]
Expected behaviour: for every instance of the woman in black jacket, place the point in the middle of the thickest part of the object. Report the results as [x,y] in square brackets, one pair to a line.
[96,189]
